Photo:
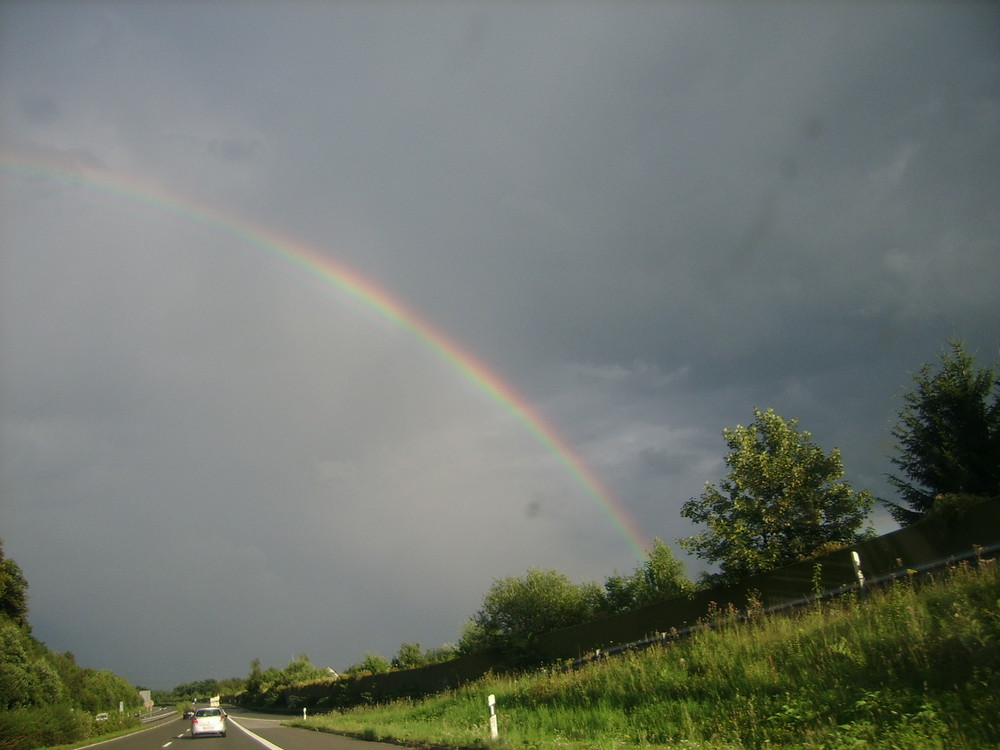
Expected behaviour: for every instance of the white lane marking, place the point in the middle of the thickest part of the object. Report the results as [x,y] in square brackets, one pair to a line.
[169,743]
[261,740]
[115,739]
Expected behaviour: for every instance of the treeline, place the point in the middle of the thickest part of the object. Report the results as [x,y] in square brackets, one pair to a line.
[514,611]
[198,691]
[783,500]
[46,698]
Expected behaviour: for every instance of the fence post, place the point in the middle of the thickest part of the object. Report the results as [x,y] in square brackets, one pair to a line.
[492,703]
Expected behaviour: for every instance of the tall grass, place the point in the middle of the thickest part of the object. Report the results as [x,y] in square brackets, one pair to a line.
[909,666]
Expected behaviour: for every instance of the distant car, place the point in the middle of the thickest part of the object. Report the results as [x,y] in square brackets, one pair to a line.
[208,721]
[189,714]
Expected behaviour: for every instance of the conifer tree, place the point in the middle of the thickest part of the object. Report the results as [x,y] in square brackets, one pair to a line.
[948,435]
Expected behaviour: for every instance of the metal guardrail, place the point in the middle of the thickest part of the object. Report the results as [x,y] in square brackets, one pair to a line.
[158,715]
[869,583]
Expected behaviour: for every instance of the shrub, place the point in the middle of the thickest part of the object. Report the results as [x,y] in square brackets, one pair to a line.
[27,728]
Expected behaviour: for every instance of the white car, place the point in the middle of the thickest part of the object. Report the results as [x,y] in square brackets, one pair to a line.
[208,721]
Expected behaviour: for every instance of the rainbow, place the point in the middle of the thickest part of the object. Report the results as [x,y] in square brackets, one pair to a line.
[371,297]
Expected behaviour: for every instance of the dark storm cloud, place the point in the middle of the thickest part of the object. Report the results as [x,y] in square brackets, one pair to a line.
[647,218]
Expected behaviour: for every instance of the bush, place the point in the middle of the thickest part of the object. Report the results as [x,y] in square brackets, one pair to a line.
[27,728]
[516,610]
[371,664]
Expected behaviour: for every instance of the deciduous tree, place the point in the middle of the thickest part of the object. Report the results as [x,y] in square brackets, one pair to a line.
[782,501]
[13,591]
[661,576]
[372,664]
[409,656]
[515,610]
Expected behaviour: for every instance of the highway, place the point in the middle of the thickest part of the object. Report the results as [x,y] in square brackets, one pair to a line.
[247,731]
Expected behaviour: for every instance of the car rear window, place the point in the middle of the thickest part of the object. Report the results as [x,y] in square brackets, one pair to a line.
[209,712]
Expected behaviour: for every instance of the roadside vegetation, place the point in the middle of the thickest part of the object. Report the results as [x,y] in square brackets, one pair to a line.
[46,699]
[783,500]
[184,696]
[913,665]
[909,666]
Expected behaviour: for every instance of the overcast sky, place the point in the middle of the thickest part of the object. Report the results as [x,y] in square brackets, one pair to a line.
[646,219]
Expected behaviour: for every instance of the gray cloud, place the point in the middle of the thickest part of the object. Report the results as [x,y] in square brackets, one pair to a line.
[646,218]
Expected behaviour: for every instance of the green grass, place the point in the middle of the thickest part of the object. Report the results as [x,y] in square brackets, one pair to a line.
[907,667]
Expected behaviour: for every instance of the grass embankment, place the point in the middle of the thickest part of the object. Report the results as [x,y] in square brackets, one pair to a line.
[908,666]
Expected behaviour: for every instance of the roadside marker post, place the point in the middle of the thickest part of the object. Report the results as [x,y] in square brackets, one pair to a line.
[856,560]
[492,703]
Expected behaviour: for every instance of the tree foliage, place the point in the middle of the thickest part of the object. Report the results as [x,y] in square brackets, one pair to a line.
[516,610]
[660,577]
[27,679]
[782,501]
[255,680]
[199,690]
[13,591]
[372,664]
[409,656]
[948,435]
[299,670]
[46,699]
[102,690]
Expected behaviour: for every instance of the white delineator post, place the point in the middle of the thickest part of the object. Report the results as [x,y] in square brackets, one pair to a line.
[492,703]
[856,559]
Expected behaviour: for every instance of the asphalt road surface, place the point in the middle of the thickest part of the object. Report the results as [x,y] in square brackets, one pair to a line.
[247,731]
